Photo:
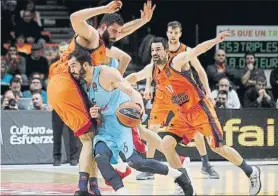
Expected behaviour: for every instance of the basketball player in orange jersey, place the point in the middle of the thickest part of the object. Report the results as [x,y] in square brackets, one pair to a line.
[64,94]
[193,109]
[160,110]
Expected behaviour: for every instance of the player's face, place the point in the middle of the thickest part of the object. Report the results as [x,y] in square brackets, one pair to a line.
[110,34]
[159,54]
[62,49]
[76,69]
[173,34]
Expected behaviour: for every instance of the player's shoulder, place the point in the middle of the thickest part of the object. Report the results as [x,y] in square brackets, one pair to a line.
[150,66]
[109,70]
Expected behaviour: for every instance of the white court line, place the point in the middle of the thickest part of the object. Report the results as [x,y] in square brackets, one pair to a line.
[50,166]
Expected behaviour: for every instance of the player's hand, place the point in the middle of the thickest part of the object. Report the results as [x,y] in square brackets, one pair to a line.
[221,36]
[113,6]
[148,94]
[142,112]
[147,12]
[94,111]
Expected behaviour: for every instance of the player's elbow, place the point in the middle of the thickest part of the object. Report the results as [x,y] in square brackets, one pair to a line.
[73,17]
[132,78]
[125,58]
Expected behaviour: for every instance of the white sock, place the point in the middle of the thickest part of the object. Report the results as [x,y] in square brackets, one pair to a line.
[174,173]
[122,191]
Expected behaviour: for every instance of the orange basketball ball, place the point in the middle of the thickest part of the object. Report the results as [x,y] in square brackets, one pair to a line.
[128,114]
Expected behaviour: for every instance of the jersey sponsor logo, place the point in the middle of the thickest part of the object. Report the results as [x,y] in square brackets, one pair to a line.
[180,99]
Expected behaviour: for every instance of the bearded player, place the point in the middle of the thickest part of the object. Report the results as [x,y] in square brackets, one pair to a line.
[160,110]
[64,94]
[107,90]
[193,109]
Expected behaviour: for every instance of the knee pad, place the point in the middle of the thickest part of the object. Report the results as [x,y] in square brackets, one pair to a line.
[135,161]
[102,154]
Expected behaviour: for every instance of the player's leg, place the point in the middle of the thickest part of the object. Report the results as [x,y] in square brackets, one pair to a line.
[155,167]
[158,118]
[70,103]
[152,138]
[103,155]
[214,130]
[87,166]
[201,147]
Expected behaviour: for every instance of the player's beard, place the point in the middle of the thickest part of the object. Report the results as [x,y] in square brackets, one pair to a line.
[160,61]
[81,75]
[107,40]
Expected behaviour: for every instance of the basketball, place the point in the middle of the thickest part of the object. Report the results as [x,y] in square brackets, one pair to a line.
[128,114]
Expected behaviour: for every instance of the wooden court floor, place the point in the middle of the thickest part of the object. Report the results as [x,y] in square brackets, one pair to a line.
[49,180]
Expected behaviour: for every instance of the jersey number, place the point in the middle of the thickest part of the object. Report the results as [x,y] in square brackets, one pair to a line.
[169,88]
[125,148]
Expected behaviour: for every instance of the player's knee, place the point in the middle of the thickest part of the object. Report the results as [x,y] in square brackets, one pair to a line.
[86,138]
[135,161]
[101,159]
[168,143]
[199,137]
[218,150]
[102,154]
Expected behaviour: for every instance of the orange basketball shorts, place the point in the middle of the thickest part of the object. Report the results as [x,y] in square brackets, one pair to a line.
[160,110]
[71,103]
[201,118]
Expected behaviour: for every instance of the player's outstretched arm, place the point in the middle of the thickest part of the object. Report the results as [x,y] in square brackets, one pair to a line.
[82,28]
[132,26]
[123,58]
[141,75]
[187,56]
[118,81]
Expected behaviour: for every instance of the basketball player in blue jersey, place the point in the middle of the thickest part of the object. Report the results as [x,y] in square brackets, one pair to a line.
[107,89]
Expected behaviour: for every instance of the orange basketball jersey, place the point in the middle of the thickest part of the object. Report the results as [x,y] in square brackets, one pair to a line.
[171,54]
[180,87]
[182,48]
[61,67]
